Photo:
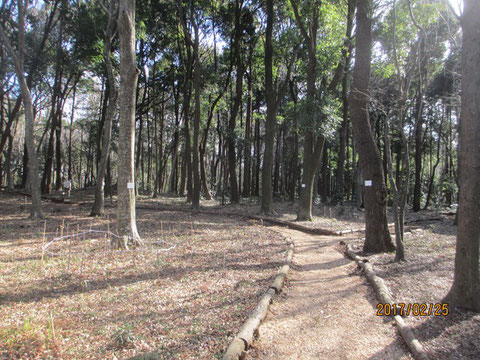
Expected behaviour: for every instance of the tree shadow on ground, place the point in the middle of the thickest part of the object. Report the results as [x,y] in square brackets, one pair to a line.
[38,292]
[454,336]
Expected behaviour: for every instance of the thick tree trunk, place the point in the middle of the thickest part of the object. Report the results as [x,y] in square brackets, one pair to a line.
[465,291]
[375,193]
[126,221]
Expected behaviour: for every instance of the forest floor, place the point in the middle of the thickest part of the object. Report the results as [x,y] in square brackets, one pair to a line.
[87,302]
[326,311]
[187,292]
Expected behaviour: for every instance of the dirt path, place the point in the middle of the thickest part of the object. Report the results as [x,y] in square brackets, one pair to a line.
[326,311]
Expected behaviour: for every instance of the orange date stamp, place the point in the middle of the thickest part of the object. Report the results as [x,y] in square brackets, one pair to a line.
[415,309]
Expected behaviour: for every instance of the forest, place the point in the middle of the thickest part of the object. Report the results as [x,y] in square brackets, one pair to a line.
[159,161]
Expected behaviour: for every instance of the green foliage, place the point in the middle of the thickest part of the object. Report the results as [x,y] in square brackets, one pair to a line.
[323,116]
[123,337]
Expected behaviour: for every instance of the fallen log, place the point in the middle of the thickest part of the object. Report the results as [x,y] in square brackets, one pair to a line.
[305,229]
[58,200]
[291,225]
[423,220]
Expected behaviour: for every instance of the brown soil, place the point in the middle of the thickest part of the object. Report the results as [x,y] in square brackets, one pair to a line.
[326,311]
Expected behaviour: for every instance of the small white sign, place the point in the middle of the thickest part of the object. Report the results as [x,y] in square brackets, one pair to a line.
[368,182]
[130,185]
[304,185]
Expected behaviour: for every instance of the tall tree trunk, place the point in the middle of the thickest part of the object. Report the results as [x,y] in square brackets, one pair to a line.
[232,162]
[434,168]
[8,163]
[375,195]
[98,205]
[325,173]
[70,133]
[417,189]
[294,171]
[248,129]
[34,63]
[183,173]
[18,60]
[172,182]
[196,120]
[397,216]
[257,157]
[126,221]
[418,128]
[159,163]
[55,118]
[271,121]
[47,170]
[313,143]
[187,153]
[465,290]
[60,103]
[342,149]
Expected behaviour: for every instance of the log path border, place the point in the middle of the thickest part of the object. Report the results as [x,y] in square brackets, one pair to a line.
[384,295]
[249,330]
